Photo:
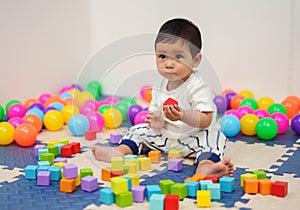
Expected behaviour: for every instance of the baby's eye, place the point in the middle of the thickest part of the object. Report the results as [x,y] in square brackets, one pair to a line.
[161,56]
[178,57]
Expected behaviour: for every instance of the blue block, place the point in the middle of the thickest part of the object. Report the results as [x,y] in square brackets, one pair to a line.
[157,202]
[152,189]
[42,168]
[107,196]
[128,182]
[43,163]
[227,184]
[59,145]
[215,192]
[192,188]
[30,172]
[130,156]
[204,184]
[41,151]
[55,173]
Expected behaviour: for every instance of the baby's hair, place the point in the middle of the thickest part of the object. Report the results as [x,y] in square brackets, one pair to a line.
[183,30]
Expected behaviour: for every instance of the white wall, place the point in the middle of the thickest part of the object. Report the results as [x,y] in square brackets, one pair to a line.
[249,44]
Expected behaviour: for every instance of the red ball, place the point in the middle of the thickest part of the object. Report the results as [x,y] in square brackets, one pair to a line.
[25,135]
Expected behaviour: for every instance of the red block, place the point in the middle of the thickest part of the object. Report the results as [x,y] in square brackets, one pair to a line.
[117,173]
[170,101]
[90,135]
[66,150]
[279,188]
[75,147]
[171,202]
[214,179]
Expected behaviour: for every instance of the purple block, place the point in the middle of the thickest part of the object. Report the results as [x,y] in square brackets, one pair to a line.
[175,164]
[70,171]
[138,193]
[37,147]
[43,178]
[115,138]
[58,160]
[89,183]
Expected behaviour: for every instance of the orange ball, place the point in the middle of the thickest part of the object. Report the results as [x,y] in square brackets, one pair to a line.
[291,107]
[53,99]
[295,98]
[25,135]
[148,94]
[236,100]
[35,120]
[227,91]
[30,101]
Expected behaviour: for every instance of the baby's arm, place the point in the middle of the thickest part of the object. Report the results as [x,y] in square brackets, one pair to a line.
[193,118]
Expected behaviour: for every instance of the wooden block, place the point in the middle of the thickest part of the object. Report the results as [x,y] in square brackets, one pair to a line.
[250,186]
[155,156]
[106,174]
[90,135]
[265,186]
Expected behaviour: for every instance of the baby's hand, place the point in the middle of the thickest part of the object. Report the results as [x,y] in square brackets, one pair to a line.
[155,120]
[172,112]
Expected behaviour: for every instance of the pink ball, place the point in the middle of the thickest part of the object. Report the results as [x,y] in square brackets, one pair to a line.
[112,100]
[44,97]
[65,89]
[100,103]
[16,110]
[96,121]
[16,121]
[88,106]
[233,112]
[282,121]
[245,110]
[261,113]
[140,117]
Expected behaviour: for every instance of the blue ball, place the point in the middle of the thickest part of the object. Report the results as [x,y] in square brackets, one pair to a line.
[230,125]
[37,112]
[78,124]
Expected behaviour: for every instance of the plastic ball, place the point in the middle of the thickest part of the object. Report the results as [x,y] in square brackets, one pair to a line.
[96,121]
[245,110]
[44,97]
[53,120]
[10,103]
[233,112]
[86,95]
[47,109]
[95,85]
[226,91]
[88,106]
[295,124]
[7,133]
[112,100]
[140,117]
[148,94]
[276,107]
[129,101]
[295,98]
[78,124]
[221,103]
[36,111]
[142,90]
[112,118]
[77,87]
[282,122]
[64,96]
[16,110]
[230,125]
[101,103]
[249,102]
[261,113]
[53,99]
[34,120]
[132,111]
[228,97]
[29,102]
[1,112]
[103,108]
[16,121]
[248,124]
[122,107]
[68,111]
[25,135]
[65,89]
[236,100]
[291,107]
[246,93]
[37,106]
[266,128]
[265,102]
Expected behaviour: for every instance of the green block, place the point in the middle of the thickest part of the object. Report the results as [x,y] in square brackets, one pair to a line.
[47,157]
[86,172]
[174,151]
[260,174]
[165,186]
[52,149]
[179,189]
[124,199]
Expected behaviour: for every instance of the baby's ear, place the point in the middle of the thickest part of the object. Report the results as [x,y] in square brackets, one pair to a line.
[197,60]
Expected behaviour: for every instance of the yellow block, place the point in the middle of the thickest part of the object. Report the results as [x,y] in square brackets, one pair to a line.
[145,163]
[59,164]
[119,185]
[133,160]
[117,164]
[131,167]
[203,198]
[78,180]
[135,179]
[174,151]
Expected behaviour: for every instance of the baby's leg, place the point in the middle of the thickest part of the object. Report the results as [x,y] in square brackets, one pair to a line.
[105,153]
[209,168]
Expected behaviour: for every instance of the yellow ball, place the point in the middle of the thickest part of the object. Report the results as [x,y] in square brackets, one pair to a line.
[53,120]
[112,118]
[7,133]
[247,93]
[87,96]
[248,124]
[68,111]
[265,103]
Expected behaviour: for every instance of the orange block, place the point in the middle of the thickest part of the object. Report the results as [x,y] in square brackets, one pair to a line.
[155,156]
[67,185]
[198,177]
[250,186]
[189,179]
[106,174]
[264,186]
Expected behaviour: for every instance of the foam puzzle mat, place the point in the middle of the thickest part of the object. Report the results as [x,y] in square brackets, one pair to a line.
[279,158]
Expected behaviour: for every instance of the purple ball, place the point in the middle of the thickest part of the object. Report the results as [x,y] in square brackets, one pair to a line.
[37,105]
[77,86]
[220,102]
[228,97]
[48,109]
[295,124]
[132,112]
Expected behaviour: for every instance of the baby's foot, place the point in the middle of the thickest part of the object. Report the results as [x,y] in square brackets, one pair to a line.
[219,169]
[105,153]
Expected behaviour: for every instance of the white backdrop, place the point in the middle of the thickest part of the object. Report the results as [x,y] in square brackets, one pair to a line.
[45,45]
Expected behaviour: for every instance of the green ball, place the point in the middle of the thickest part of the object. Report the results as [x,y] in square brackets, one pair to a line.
[276,107]
[8,105]
[122,106]
[129,101]
[95,85]
[249,102]
[94,92]
[102,108]
[1,112]
[266,128]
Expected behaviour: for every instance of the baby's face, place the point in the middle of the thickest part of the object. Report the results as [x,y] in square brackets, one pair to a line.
[174,61]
